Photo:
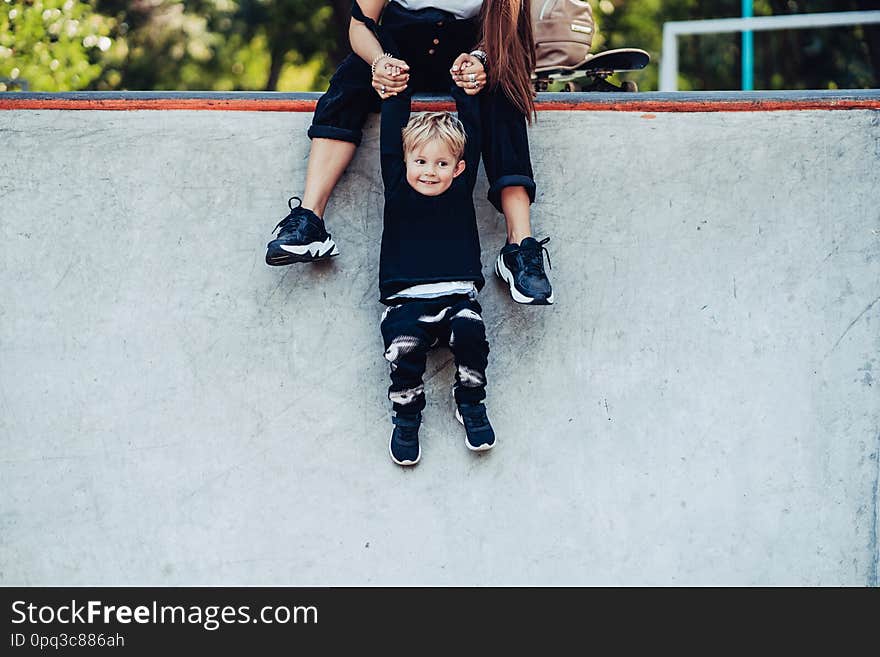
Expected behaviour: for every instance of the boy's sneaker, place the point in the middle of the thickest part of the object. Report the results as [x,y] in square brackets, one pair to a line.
[404,446]
[301,238]
[479,435]
[521,266]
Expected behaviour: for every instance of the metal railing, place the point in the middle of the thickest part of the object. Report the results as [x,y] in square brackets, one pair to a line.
[672,30]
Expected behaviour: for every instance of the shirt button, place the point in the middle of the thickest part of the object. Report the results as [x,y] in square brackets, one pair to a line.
[436,41]
[431,51]
[439,23]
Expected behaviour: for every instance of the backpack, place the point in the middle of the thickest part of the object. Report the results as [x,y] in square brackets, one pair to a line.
[563,32]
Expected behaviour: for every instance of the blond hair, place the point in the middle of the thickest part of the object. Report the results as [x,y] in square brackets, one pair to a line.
[428,126]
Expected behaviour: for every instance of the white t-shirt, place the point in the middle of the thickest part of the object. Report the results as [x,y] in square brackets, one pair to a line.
[458,8]
[434,290]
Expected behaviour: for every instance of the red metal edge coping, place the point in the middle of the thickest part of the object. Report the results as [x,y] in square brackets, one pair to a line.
[292,105]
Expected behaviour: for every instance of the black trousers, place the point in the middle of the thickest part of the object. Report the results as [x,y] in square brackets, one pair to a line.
[410,329]
[429,40]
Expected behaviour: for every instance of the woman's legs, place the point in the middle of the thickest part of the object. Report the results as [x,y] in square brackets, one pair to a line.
[507,159]
[335,132]
[515,204]
[328,160]
[302,234]
[512,190]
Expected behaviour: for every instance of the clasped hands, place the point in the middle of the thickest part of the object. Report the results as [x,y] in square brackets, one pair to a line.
[391,75]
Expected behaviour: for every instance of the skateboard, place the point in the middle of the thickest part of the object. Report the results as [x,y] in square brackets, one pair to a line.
[593,73]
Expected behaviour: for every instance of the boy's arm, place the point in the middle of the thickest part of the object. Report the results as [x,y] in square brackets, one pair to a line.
[468,108]
[395,115]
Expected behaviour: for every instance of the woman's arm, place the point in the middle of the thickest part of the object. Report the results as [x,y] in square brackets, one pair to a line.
[390,75]
[362,39]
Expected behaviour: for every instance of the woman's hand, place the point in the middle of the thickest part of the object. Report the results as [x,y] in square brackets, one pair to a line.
[390,76]
[468,73]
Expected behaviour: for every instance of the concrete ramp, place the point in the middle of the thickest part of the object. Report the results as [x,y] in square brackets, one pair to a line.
[700,406]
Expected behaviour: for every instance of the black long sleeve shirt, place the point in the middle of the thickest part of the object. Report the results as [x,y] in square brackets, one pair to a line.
[428,239]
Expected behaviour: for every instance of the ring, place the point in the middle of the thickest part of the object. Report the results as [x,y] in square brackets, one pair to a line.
[475,84]
[382,89]
[472,77]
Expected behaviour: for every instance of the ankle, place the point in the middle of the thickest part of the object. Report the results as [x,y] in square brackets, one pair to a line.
[314,212]
[517,237]
[315,206]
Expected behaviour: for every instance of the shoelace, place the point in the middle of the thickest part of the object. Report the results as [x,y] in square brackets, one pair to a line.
[291,219]
[533,258]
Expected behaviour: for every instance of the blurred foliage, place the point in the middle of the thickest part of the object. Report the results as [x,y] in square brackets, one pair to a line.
[57,45]
[220,44]
[840,57]
[51,45]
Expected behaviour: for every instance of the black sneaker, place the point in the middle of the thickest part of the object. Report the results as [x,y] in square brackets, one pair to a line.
[479,435]
[404,446]
[301,238]
[521,266]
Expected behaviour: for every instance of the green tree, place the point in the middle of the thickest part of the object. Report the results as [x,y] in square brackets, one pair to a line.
[169,44]
[302,28]
[225,44]
[52,45]
[59,45]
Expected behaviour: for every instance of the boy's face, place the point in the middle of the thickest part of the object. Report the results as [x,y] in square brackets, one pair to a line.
[431,167]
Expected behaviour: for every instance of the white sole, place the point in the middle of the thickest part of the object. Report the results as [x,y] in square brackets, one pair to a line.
[323,249]
[502,272]
[481,448]
[404,463]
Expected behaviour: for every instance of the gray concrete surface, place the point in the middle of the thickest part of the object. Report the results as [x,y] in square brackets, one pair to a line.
[700,406]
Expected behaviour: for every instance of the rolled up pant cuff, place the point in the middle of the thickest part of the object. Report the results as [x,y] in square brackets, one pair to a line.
[339,134]
[513,180]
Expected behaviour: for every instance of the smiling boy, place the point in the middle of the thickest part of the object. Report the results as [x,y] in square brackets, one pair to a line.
[429,266]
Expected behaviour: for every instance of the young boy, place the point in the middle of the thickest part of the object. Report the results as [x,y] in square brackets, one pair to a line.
[429,267]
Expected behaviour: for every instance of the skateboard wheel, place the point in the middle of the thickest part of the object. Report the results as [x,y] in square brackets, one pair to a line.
[629,85]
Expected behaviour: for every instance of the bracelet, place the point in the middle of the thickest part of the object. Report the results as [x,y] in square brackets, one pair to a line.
[480,56]
[376,61]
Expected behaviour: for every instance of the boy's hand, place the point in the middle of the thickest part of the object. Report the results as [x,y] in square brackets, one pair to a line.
[468,73]
[390,77]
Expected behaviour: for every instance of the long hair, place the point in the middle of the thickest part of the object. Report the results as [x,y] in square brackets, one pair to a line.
[510,49]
